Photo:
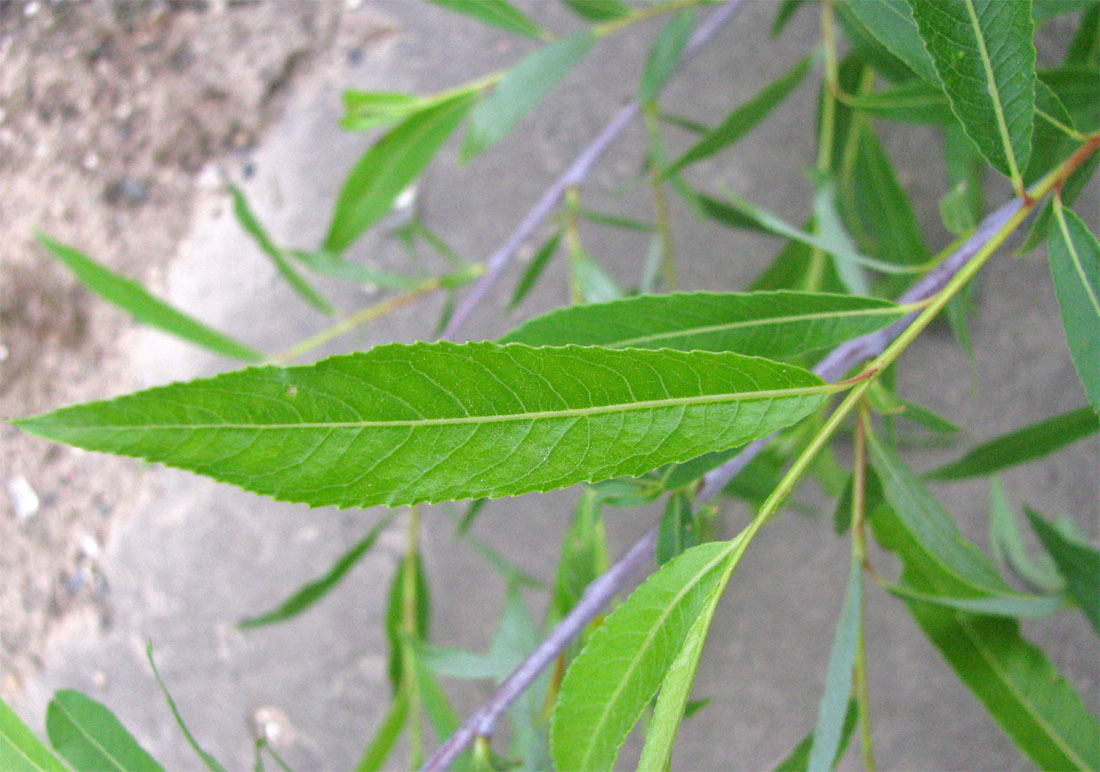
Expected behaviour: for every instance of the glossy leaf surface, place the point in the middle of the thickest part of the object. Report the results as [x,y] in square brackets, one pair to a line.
[401,424]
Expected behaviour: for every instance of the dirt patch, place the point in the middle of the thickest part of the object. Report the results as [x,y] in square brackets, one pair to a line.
[111,114]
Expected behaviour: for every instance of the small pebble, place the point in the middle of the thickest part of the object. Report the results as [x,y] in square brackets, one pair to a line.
[23,497]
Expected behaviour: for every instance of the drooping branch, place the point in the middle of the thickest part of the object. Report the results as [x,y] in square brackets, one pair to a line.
[571,177]
[605,587]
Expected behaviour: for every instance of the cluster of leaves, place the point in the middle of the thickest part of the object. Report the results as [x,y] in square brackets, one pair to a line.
[640,395]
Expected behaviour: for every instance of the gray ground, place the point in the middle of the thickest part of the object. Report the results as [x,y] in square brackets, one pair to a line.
[182,558]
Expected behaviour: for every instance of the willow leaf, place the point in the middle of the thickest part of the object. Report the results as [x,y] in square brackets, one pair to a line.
[135,300]
[401,423]
[534,270]
[626,659]
[1013,606]
[829,733]
[914,101]
[247,219]
[521,89]
[664,56]
[1008,546]
[20,750]
[984,54]
[313,591]
[1075,266]
[497,13]
[208,760]
[385,736]
[389,166]
[1077,562]
[91,739]
[769,324]
[1025,444]
[799,757]
[891,22]
[743,119]
[1033,704]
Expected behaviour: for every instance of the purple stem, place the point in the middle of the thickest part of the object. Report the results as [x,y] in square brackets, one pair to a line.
[605,587]
[571,177]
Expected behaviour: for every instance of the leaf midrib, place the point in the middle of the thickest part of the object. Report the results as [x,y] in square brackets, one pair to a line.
[624,407]
[1075,258]
[653,631]
[994,92]
[19,751]
[91,740]
[694,331]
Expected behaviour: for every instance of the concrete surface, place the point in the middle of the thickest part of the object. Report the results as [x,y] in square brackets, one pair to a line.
[196,555]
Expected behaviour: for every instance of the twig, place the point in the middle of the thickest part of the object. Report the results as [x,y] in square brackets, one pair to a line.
[605,587]
[573,176]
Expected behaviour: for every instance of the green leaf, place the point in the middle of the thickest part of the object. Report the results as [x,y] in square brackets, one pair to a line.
[593,283]
[1075,266]
[926,536]
[132,298]
[983,52]
[1016,447]
[786,11]
[400,424]
[727,214]
[1009,550]
[617,673]
[1075,86]
[769,324]
[331,264]
[313,591]
[583,555]
[1077,562]
[664,56]
[672,701]
[616,221]
[396,634]
[965,164]
[90,738]
[534,270]
[688,472]
[922,416]
[831,712]
[1044,10]
[867,50]
[208,761]
[956,213]
[20,750]
[1075,183]
[677,532]
[368,109]
[599,10]
[799,757]
[743,119]
[385,737]
[1084,48]
[521,88]
[765,220]
[914,101]
[389,166]
[1013,606]
[1033,704]
[497,13]
[1050,144]
[252,226]
[891,22]
[832,235]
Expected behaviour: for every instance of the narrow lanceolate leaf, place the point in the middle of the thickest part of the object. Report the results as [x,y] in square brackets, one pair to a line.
[315,590]
[927,536]
[20,750]
[983,52]
[389,166]
[135,300]
[1077,562]
[914,101]
[1075,266]
[208,761]
[891,22]
[1009,550]
[91,739]
[385,736]
[1014,606]
[798,759]
[401,424]
[521,89]
[534,270]
[832,234]
[618,672]
[743,119]
[768,324]
[252,226]
[498,13]
[831,711]
[664,57]
[1026,444]
[598,10]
